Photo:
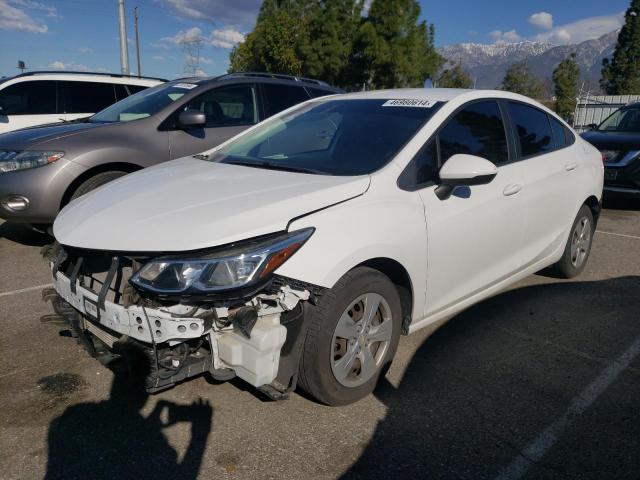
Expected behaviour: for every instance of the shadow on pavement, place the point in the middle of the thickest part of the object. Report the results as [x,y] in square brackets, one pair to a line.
[112,440]
[23,234]
[488,382]
[616,201]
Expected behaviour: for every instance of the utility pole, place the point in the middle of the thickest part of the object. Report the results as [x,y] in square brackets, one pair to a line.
[135,26]
[124,52]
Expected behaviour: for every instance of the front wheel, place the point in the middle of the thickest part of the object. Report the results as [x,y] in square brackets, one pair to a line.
[352,337]
[578,247]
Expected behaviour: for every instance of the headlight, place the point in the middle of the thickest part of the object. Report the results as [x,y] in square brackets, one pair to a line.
[242,265]
[11,160]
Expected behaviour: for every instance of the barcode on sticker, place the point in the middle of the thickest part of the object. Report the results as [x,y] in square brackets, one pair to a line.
[188,86]
[409,102]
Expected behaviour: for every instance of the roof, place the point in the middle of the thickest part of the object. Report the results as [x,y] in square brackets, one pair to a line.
[99,74]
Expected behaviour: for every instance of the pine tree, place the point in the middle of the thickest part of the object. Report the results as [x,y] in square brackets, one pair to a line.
[519,79]
[392,49]
[621,74]
[454,77]
[565,79]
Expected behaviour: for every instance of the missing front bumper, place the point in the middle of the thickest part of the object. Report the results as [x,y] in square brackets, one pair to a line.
[180,341]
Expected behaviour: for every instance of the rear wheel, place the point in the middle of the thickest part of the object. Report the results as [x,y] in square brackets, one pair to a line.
[96,181]
[578,247]
[352,337]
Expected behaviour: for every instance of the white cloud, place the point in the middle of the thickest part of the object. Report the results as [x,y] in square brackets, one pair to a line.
[230,12]
[192,35]
[581,30]
[159,58]
[542,20]
[13,18]
[498,36]
[83,50]
[32,5]
[206,61]
[227,38]
[58,65]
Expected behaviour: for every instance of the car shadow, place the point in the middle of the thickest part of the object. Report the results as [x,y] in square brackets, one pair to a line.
[111,439]
[23,234]
[485,385]
[616,201]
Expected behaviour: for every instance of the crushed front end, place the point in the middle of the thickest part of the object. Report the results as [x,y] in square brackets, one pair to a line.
[255,333]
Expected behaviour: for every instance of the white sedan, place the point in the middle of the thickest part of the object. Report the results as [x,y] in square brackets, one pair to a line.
[298,252]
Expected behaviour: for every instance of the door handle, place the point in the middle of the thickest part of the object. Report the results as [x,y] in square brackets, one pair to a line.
[511,189]
[570,166]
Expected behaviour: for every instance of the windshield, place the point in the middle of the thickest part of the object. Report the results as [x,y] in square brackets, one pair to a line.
[332,137]
[623,120]
[143,104]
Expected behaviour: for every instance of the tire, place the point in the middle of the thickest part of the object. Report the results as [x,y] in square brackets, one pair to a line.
[573,261]
[96,181]
[324,348]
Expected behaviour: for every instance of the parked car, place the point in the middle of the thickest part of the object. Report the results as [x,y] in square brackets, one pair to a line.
[41,97]
[618,139]
[47,167]
[297,252]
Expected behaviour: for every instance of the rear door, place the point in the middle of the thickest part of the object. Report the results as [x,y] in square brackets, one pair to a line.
[548,170]
[228,109]
[473,236]
[29,103]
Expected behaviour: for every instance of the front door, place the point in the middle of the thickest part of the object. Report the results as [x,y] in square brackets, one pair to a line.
[228,110]
[473,236]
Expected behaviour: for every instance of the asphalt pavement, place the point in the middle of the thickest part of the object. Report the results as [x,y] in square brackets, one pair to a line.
[541,381]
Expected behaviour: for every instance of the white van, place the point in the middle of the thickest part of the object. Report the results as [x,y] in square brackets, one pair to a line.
[36,98]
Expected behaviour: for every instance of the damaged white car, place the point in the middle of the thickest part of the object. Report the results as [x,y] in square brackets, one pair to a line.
[296,253]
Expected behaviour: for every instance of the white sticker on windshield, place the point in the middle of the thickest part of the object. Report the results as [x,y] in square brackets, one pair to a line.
[409,102]
[188,86]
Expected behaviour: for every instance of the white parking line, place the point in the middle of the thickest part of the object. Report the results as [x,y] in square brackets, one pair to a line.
[24,290]
[549,437]
[618,234]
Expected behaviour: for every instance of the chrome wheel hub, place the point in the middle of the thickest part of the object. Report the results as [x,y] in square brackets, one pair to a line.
[580,242]
[361,340]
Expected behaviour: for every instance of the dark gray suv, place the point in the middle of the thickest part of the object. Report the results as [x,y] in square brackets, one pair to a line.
[44,168]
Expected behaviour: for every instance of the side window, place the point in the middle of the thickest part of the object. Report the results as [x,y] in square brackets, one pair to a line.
[35,97]
[280,97]
[558,133]
[318,92]
[423,169]
[227,106]
[477,129]
[533,129]
[121,91]
[135,89]
[88,97]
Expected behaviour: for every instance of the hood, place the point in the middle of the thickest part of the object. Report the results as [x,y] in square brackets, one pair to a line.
[189,204]
[613,140]
[38,136]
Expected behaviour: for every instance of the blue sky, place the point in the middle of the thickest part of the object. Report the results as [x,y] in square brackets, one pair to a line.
[83,34]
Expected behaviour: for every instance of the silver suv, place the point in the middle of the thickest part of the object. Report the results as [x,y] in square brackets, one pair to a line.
[44,168]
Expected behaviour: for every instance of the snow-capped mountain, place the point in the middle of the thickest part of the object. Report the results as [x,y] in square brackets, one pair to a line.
[487,64]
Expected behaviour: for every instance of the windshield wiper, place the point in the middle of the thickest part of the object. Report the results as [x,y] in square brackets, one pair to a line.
[275,166]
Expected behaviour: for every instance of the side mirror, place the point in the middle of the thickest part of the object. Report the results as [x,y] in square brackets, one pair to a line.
[464,170]
[191,119]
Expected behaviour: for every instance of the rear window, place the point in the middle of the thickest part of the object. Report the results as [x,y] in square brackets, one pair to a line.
[87,97]
[280,97]
[533,129]
[332,137]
